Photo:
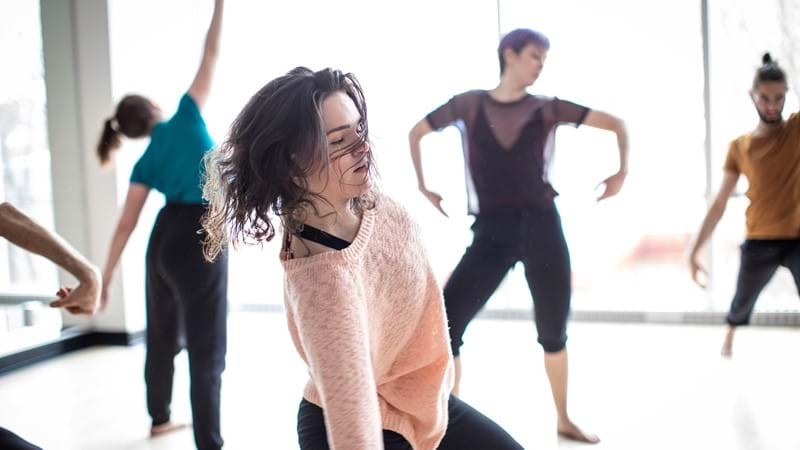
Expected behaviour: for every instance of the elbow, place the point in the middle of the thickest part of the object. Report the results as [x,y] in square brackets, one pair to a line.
[7,210]
[413,135]
[618,126]
[418,131]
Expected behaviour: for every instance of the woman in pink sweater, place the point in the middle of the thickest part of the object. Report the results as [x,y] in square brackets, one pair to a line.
[364,309]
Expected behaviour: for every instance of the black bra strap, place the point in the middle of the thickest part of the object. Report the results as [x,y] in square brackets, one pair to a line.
[322,238]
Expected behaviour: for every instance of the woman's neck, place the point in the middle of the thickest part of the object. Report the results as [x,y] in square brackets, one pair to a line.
[336,218]
[508,91]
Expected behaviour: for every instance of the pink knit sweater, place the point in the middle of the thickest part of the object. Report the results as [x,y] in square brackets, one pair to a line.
[370,323]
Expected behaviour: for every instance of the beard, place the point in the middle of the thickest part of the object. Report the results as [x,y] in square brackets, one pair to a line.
[778,119]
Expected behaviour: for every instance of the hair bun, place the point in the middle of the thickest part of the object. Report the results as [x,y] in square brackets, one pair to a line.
[767,59]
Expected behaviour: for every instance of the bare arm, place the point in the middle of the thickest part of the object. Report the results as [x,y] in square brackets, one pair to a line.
[137,195]
[415,136]
[22,231]
[201,86]
[710,222]
[605,121]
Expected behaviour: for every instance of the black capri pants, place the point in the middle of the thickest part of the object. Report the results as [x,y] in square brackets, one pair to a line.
[532,235]
[759,261]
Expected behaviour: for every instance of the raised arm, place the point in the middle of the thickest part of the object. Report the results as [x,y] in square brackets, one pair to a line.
[710,222]
[201,86]
[137,195]
[605,121]
[22,231]
[415,136]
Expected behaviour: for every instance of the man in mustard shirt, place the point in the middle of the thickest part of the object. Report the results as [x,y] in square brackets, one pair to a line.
[769,157]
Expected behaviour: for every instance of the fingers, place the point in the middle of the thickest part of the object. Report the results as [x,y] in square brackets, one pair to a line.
[613,185]
[75,302]
[77,310]
[704,280]
[699,276]
[606,192]
[71,305]
[59,303]
[609,191]
[436,200]
[441,210]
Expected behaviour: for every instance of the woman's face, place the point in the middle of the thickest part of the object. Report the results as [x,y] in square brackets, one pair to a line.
[527,65]
[347,173]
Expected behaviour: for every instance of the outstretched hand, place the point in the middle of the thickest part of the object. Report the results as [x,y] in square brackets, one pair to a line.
[435,199]
[699,273]
[613,185]
[82,299]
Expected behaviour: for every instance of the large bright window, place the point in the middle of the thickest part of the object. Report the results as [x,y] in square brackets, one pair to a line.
[25,178]
[628,253]
[24,152]
[407,62]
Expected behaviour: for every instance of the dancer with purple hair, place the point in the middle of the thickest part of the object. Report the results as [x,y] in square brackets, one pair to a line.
[508,137]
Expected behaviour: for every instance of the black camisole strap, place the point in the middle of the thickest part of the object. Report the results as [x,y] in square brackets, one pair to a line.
[322,238]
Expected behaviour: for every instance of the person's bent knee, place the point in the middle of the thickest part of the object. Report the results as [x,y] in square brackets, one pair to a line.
[553,345]
[455,347]
[737,322]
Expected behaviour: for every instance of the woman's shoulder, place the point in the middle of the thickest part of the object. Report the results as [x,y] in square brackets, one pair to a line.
[386,205]
[395,221]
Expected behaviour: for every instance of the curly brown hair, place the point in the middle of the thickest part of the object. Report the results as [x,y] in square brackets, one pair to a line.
[276,141]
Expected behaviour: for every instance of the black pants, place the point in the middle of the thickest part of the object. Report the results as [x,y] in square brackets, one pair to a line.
[533,236]
[759,261]
[10,441]
[467,429]
[186,306]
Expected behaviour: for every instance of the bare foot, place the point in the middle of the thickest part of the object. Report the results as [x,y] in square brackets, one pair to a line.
[168,427]
[726,351]
[569,430]
[727,345]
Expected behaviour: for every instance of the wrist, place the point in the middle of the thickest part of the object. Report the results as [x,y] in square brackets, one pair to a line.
[106,279]
[89,275]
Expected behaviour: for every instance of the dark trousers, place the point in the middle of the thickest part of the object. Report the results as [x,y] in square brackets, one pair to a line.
[759,260]
[186,308]
[533,236]
[10,441]
[467,429]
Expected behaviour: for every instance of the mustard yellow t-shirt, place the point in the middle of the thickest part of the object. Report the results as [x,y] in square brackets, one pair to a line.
[771,164]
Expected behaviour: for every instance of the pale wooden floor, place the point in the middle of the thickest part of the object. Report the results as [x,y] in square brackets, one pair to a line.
[638,386]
